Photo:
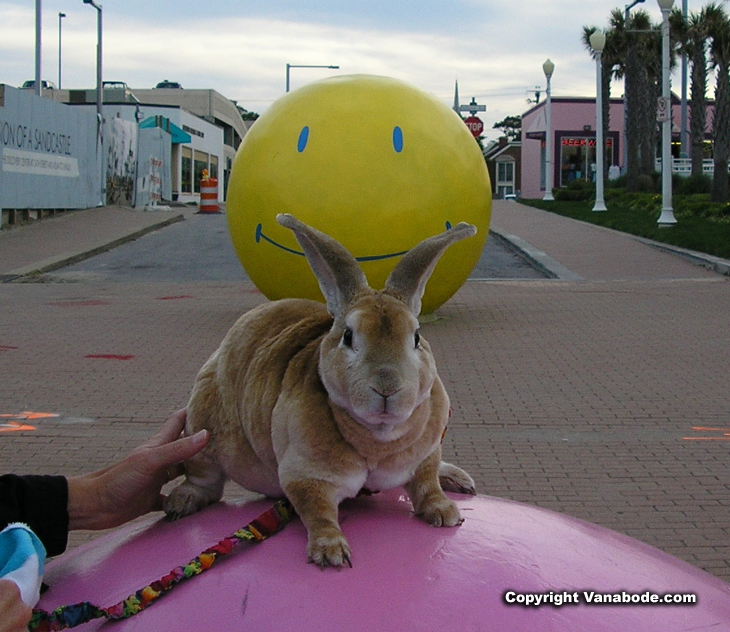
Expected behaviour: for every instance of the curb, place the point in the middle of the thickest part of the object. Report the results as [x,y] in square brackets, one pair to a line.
[715,264]
[536,258]
[66,260]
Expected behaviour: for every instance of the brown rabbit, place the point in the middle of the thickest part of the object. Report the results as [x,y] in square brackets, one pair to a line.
[318,403]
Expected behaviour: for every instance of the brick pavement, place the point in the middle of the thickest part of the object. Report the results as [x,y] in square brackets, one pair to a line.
[572,395]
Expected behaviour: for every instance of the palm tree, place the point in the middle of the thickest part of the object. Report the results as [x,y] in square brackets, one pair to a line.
[642,78]
[636,53]
[720,57]
[692,35]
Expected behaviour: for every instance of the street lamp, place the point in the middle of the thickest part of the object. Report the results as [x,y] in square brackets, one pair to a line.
[60,17]
[598,43]
[628,8]
[99,99]
[99,96]
[288,66]
[667,215]
[548,68]
[684,141]
[38,19]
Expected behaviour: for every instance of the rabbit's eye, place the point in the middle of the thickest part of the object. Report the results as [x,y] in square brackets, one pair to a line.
[417,338]
[347,337]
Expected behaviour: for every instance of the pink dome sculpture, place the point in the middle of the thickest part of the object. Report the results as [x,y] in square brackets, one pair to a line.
[406,576]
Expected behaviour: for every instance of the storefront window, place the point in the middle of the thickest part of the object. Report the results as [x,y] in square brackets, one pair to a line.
[200,164]
[186,169]
[214,167]
[578,158]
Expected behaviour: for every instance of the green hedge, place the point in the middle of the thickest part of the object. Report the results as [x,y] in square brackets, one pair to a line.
[701,225]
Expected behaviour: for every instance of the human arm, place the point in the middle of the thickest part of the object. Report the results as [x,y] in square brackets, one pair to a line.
[14,613]
[41,503]
[132,487]
[52,505]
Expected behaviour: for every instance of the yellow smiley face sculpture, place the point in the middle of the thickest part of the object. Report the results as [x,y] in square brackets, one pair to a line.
[371,161]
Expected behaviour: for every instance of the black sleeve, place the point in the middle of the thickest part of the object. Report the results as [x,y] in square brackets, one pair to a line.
[41,502]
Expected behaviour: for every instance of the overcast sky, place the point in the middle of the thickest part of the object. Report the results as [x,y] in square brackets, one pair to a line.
[495,48]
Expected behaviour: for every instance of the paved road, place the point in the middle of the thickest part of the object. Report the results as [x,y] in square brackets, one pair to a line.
[602,395]
[199,249]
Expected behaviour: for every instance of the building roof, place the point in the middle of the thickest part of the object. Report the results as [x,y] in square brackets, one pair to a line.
[499,147]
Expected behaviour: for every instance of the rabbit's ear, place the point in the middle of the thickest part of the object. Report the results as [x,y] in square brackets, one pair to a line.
[408,280]
[337,271]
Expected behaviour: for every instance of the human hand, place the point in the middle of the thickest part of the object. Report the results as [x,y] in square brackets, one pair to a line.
[132,486]
[14,613]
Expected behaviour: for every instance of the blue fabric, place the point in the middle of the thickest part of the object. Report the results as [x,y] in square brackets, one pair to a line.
[22,560]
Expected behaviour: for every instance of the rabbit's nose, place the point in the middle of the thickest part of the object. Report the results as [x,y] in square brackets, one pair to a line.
[386,382]
[385,393]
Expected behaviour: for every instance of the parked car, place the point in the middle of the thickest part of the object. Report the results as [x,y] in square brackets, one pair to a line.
[114,85]
[30,85]
[169,84]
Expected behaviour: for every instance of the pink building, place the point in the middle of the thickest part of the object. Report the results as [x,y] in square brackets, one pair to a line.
[574,142]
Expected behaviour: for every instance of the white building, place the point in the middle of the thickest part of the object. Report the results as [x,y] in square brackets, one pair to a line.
[212,125]
[196,144]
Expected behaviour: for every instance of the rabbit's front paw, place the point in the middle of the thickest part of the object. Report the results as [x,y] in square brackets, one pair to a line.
[442,513]
[184,500]
[454,479]
[329,550]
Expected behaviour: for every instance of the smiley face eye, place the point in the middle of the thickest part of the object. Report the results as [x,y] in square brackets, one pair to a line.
[303,138]
[397,139]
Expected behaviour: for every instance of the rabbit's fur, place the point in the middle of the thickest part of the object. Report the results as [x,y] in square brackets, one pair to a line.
[318,403]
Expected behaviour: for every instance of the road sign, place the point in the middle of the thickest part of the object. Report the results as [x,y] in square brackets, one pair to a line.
[473,107]
[663,109]
[475,125]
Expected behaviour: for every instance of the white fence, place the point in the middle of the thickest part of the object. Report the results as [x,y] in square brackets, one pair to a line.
[683,166]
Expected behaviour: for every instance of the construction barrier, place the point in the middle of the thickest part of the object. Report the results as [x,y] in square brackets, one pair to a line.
[208,194]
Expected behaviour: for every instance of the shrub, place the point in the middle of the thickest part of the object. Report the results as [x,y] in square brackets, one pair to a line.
[693,185]
[645,184]
[576,191]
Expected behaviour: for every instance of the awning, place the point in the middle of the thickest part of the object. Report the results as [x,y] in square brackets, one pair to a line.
[178,136]
[536,131]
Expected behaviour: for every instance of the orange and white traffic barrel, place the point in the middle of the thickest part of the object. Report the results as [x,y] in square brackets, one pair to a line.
[208,194]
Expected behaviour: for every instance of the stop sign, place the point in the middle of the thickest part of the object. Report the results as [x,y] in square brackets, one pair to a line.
[475,125]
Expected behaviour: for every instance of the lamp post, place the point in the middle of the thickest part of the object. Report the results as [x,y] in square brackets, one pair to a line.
[548,68]
[667,215]
[60,17]
[289,66]
[683,108]
[598,43]
[38,20]
[99,99]
[99,94]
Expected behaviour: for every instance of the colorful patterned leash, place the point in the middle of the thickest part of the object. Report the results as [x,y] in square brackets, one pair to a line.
[268,523]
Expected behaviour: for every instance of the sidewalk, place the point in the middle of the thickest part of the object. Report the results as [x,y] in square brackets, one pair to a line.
[601,393]
[48,244]
[584,251]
